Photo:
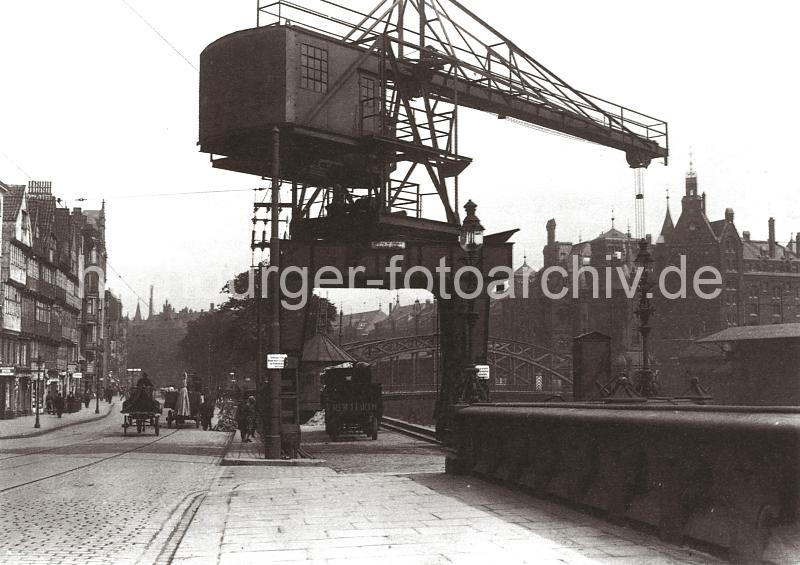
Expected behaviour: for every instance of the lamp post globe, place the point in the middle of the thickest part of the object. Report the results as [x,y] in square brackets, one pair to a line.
[470,235]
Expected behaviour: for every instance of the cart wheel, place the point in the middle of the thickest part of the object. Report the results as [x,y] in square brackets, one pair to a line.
[156,425]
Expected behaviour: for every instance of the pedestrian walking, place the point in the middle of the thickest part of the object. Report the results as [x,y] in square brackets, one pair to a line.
[245,414]
[58,403]
[87,397]
[207,411]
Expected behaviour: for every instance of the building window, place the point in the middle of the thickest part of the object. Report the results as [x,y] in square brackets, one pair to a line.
[11,302]
[368,95]
[42,313]
[313,68]
[777,292]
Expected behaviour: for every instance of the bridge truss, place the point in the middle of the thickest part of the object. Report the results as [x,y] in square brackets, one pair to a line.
[515,365]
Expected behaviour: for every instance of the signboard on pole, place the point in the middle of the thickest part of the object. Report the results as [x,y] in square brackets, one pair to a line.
[276,360]
[482,371]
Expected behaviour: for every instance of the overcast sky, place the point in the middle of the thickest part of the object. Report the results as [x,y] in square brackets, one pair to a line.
[95,101]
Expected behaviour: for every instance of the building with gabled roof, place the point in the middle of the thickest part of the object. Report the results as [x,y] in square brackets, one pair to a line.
[41,294]
[760,279]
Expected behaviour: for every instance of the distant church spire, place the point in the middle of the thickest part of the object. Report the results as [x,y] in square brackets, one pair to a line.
[150,307]
[668,226]
[138,316]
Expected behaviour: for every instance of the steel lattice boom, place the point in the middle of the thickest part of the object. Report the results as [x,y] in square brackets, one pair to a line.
[459,58]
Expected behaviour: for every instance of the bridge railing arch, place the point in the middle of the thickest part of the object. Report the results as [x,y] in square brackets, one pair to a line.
[516,365]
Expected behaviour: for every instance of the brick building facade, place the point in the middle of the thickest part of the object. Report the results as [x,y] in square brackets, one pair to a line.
[45,310]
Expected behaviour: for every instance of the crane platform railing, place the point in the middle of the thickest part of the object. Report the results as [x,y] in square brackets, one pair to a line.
[483,59]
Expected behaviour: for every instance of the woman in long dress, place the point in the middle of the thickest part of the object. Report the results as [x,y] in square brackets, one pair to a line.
[182,408]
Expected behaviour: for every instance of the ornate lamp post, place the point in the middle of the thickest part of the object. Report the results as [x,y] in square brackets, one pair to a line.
[645,385]
[38,380]
[470,238]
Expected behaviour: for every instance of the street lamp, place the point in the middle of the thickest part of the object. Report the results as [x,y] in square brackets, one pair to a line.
[470,238]
[470,235]
[36,400]
[646,386]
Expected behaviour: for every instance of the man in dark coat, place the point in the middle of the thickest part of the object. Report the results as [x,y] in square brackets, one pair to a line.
[245,418]
[207,411]
[58,404]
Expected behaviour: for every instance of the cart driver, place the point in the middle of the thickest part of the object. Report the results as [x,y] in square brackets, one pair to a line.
[145,386]
[144,381]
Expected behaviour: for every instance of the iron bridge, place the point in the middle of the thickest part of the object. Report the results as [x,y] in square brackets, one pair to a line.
[515,365]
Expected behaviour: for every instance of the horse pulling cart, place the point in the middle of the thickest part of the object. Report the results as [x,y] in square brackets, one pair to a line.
[141,410]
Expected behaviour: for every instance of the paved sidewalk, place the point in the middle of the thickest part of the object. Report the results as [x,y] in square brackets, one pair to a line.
[23,425]
[308,514]
[378,502]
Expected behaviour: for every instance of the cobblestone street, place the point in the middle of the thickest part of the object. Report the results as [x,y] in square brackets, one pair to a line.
[87,494]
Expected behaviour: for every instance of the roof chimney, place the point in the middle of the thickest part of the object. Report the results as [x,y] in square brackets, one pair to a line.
[551,231]
[746,235]
[729,215]
[771,242]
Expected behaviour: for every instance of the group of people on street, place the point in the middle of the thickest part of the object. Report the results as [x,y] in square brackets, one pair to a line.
[56,403]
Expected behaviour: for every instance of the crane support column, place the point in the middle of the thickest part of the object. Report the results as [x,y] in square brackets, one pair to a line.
[273,439]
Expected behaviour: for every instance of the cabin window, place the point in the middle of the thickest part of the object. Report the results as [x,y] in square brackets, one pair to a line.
[313,68]
[368,95]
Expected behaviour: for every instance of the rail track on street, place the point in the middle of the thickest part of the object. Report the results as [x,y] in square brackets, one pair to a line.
[138,447]
[50,449]
[412,430]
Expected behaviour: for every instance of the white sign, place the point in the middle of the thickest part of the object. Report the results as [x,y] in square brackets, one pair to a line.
[388,244]
[276,360]
[77,375]
[482,371]
[7,371]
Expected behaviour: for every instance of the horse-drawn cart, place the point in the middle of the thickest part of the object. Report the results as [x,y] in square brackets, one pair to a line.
[171,404]
[352,402]
[141,410]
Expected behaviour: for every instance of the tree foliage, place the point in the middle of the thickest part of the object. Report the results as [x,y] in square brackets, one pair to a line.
[225,340]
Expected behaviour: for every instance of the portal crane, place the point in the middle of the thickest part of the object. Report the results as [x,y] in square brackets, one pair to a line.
[366,103]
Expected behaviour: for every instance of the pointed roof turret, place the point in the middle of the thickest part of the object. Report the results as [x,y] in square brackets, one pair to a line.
[138,316]
[668,226]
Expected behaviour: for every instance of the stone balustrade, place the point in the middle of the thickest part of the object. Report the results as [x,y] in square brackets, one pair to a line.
[721,475]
